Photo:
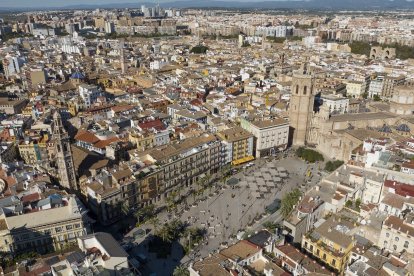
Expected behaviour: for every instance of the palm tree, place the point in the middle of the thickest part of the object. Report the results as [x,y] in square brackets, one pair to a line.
[145,213]
[165,233]
[154,222]
[181,271]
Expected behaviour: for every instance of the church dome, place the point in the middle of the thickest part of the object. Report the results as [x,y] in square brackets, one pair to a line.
[385,129]
[77,75]
[403,128]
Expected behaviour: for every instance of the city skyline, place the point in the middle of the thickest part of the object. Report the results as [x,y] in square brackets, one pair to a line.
[203,138]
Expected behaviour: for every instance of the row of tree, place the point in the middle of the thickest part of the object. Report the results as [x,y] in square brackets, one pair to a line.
[309,155]
[364,48]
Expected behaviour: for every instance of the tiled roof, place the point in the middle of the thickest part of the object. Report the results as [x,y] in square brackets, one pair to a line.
[86,136]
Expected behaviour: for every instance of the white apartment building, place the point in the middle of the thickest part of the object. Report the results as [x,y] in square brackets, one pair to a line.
[355,88]
[109,27]
[157,64]
[336,104]
[376,86]
[397,234]
[275,31]
[89,94]
[270,135]
[12,65]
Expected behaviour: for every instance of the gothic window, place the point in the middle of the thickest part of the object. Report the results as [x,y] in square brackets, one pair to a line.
[305,90]
[297,89]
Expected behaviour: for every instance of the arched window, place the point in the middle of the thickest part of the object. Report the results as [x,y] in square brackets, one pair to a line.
[297,89]
[406,243]
[305,90]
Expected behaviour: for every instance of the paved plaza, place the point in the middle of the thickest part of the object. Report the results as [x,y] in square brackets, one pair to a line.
[232,208]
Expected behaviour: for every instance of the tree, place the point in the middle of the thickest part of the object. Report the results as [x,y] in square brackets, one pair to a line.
[194,236]
[145,213]
[358,204]
[271,226]
[171,231]
[199,49]
[309,155]
[288,201]
[360,48]
[165,233]
[377,98]
[348,204]
[154,222]
[331,166]
[181,271]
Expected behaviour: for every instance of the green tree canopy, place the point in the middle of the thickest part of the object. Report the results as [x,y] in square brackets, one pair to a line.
[199,49]
[331,166]
[309,155]
[288,201]
[181,271]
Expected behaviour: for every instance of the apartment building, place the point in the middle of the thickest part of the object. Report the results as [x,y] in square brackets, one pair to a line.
[397,234]
[34,150]
[89,94]
[270,135]
[184,163]
[390,82]
[300,221]
[355,88]
[43,230]
[336,104]
[331,243]
[111,192]
[238,145]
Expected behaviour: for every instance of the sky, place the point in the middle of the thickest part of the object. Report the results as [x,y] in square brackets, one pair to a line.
[62,3]
[52,3]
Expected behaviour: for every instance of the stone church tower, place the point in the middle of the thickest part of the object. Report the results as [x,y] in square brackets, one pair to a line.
[301,105]
[66,169]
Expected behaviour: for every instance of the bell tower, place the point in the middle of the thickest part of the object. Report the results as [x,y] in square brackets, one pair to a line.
[66,168]
[301,104]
